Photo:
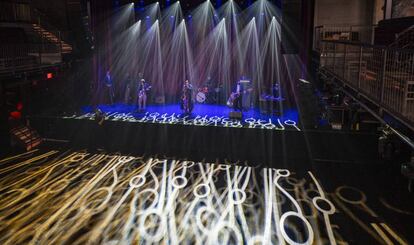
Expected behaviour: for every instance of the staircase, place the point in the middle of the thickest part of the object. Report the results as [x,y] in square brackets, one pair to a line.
[52,38]
[405,39]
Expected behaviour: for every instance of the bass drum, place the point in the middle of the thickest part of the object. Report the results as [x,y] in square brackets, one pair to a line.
[201,97]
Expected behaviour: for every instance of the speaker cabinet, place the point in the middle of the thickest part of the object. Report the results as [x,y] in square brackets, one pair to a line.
[236,115]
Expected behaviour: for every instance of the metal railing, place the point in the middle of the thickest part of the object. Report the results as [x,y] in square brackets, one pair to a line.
[15,12]
[383,75]
[24,13]
[404,39]
[18,57]
[353,33]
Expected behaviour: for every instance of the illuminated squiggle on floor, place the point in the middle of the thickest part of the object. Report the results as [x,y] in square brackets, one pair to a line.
[197,120]
[78,198]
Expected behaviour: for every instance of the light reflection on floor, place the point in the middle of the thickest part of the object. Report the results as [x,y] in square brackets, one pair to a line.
[78,197]
[202,115]
[199,109]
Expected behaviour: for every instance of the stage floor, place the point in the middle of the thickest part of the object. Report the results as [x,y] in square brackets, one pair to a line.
[202,115]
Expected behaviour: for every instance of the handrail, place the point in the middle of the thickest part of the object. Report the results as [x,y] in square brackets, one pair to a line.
[368,45]
[24,12]
[405,31]
[402,37]
[381,74]
[360,33]
[45,21]
[344,25]
[402,136]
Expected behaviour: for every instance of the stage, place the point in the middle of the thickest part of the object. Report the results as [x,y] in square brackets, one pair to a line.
[208,133]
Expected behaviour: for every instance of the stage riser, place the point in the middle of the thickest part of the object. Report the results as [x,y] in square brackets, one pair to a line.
[258,147]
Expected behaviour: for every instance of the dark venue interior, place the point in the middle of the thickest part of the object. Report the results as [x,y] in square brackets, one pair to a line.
[207,122]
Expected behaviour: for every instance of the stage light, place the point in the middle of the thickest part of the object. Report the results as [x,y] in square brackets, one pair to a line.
[49,75]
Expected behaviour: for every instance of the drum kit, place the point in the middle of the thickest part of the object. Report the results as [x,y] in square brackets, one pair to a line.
[202,94]
[207,94]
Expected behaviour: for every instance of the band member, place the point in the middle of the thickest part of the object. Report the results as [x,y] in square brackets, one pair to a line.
[128,89]
[187,100]
[239,97]
[142,94]
[109,87]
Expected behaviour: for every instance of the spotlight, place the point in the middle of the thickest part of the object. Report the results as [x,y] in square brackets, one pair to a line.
[158,3]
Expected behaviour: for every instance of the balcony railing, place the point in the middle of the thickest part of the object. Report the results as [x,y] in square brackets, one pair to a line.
[21,57]
[15,12]
[24,13]
[383,75]
[353,33]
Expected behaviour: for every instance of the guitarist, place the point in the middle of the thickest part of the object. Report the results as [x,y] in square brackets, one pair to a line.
[239,97]
[187,98]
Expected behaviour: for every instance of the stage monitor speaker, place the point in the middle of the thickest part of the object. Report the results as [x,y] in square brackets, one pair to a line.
[236,115]
[291,26]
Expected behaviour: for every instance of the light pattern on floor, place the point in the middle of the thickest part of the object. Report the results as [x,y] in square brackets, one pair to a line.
[78,198]
[195,120]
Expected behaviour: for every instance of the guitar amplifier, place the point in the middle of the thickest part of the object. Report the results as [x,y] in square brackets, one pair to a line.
[236,115]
